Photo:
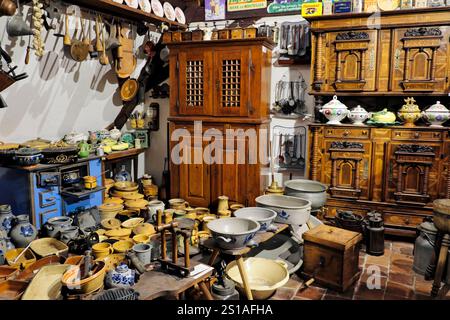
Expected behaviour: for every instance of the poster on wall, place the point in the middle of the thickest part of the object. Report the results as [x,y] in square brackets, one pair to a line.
[285,6]
[240,5]
[214,10]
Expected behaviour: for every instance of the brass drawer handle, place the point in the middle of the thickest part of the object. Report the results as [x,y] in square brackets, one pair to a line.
[346,133]
[416,135]
[364,133]
[407,221]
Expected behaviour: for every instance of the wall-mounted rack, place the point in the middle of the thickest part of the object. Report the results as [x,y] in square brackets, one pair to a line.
[123,11]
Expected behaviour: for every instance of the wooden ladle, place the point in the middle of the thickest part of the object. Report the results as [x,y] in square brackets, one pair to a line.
[104,60]
[98,45]
[67,40]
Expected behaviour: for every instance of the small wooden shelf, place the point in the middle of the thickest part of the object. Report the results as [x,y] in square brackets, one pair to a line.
[124,11]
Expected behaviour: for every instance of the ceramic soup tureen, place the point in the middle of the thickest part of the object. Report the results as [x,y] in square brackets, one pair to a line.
[334,111]
[409,112]
[358,115]
[437,114]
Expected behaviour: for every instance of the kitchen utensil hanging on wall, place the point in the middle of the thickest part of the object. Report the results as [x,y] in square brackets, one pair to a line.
[98,41]
[126,60]
[7,8]
[104,60]
[17,25]
[67,41]
[79,50]
[112,42]
[129,90]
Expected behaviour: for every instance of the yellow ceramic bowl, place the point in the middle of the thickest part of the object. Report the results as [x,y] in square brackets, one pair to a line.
[71,279]
[126,186]
[112,261]
[142,238]
[24,261]
[110,224]
[122,194]
[115,200]
[132,223]
[123,246]
[118,233]
[102,250]
[133,196]
[144,228]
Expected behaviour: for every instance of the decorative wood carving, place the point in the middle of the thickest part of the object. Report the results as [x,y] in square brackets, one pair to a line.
[352,35]
[346,145]
[421,32]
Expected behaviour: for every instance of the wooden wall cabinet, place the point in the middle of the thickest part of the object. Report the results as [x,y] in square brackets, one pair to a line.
[225,85]
[395,54]
[397,171]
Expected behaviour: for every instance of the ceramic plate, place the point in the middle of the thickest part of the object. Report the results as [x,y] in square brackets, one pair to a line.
[169,11]
[179,14]
[145,5]
[118,1]
[157,8]
[132,3]
[388,5]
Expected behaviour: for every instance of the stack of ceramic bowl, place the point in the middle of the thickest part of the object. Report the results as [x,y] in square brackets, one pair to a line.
[109,183]
[124,189]
[109,210]
[136,205]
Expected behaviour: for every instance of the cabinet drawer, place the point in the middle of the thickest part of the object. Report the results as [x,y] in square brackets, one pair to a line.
[403,220]
[46,215]
[417,135]
[347,133]
[47,198]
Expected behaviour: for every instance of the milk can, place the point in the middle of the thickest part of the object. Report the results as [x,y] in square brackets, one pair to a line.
[374,235]
[424,246]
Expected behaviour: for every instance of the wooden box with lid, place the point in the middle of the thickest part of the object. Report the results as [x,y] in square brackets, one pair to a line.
[331,256]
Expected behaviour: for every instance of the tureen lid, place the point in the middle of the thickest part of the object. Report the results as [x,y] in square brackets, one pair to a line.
[410,106]
[438,107]
[27,152]
[335,104]
[358,108]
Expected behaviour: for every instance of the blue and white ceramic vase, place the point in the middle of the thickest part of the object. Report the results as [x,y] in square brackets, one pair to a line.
[23,232]
[6,218]
[121,277]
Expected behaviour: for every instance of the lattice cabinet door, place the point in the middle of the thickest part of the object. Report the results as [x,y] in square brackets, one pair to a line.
[233,85]
[194,80]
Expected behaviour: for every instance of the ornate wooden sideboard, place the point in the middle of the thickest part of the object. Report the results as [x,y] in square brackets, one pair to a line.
[397,171]
[226,85]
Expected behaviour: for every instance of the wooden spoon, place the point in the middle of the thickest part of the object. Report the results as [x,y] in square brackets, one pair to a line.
[85,39]
[104,60]
[91,47]
[98,45]
[67,40]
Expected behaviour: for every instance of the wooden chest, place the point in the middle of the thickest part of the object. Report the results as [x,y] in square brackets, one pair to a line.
[331,256]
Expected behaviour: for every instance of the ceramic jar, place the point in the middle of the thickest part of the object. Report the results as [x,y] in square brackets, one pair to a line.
[437,114]
[90,182]
[334,111]
[121,277]
[6,217]
[409,112]
[223,204]
[115,133]
[7,244]
[56,225]
[153,207]
[23,232]
[358,115]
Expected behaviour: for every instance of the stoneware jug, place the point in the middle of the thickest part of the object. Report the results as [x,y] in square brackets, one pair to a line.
[121,277]
[23,232]
[54,226]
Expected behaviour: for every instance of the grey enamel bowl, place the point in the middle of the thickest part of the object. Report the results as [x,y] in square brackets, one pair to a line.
[233,233]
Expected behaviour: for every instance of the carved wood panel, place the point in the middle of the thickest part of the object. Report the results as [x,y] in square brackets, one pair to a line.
[420,59]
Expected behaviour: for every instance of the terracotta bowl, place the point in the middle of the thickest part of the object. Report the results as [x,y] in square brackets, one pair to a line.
[71,279]
[123,246]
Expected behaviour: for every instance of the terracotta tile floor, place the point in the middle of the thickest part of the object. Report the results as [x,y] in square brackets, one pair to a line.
[396,280]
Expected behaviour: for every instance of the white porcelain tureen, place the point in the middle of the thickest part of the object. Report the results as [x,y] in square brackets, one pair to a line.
[358,115]
[334,111]
[437,114]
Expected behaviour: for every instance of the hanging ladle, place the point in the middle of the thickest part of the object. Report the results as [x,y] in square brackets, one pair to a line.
[17,26]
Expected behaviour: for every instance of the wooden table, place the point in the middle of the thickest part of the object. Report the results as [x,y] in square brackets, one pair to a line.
[155,284]
[239,253]
[120,156]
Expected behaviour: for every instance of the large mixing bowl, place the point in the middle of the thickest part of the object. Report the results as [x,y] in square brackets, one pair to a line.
[233,233]
[263,216]
[441,214]
[310,190]
[290,210]
[265,276]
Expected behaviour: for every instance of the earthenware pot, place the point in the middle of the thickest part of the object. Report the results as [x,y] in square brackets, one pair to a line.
[6,244]
[121,277]
[437,114]
[6,218]
[143,252]
[23,232]
[310,190]
[334,111]
[233,233]
[90,182]
[178,204]
[54,226]
[290,210]
[263,216]
[358,115]
[102,250]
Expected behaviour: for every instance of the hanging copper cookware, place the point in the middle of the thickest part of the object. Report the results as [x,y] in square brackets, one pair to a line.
[7,8]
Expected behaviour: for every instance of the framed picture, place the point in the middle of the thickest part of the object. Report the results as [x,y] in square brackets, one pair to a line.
[215,10]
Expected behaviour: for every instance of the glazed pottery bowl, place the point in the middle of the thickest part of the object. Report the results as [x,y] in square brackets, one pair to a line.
[113,260]
[25,260]
[102,250]
[141,238]
[48,246]
[265,276]
[310,190]
[122,246]
[109,224]
[290,210]
[72,279]
[114,200]
[126,186]
[177,203]
[263,216]
[144,228]
[46,285]
[120,233]
[132,223]
[233,233]
[334,111]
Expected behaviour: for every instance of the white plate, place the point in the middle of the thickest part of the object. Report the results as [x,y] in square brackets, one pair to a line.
[157,8]
[169,11]
[132,3]
[179,14]
[145,6]
[118,1]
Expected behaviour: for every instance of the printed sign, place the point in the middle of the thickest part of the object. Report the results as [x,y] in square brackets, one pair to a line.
[285,6]
[240,5]
[214,10]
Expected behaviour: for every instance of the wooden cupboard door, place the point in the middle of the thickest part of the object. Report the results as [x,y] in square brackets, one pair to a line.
[412,171]
[194,79]
[420,60]
[352,60]
[232,82]
[195,178]
[231,177]
[346,168]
